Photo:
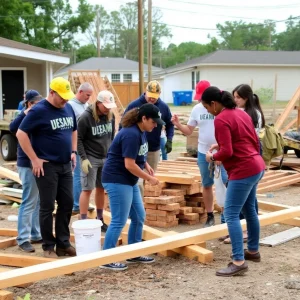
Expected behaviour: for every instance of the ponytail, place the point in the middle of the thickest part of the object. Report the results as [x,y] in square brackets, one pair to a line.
[215,94]
[131,117]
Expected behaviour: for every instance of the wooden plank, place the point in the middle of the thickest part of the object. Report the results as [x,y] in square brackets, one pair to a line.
[288,109]
[281,237]
[273,187]
[288,126]
[17,193]
[10,242]
[173,178]
[79,263]
[14,199]
[15,260]
[25,285]
[281,179]
[270,206]
[10,174]
[6,295]
[150,233]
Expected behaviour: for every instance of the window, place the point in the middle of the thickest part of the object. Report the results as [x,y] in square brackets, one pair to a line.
[127,77]
[195,78]
[115,78]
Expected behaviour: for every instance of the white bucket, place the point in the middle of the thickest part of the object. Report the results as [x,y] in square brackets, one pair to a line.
[87,236]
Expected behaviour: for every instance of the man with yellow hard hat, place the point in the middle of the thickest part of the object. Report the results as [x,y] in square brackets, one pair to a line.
[48,135]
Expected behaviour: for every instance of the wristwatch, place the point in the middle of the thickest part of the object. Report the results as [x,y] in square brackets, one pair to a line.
[75,152]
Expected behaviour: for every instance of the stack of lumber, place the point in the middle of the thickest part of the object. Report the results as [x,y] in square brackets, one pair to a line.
[178,198]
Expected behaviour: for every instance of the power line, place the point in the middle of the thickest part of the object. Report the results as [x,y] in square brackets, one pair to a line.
[239,7]
[197,12]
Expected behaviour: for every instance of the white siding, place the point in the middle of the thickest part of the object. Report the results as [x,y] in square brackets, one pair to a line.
[175,82]
[227,78]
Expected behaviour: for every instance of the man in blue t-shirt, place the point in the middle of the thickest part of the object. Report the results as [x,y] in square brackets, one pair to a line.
[52,126]
[151,95]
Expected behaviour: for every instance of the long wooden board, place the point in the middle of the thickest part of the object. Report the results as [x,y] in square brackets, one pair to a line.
[4,172]
[73,264]
[191,251]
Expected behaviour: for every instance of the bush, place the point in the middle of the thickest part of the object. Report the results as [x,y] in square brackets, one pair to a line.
[265,95]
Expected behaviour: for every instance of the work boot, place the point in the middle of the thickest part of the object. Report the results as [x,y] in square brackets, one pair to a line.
[70,251]
[26,247]
[210,221]
[104,226]
[50,254]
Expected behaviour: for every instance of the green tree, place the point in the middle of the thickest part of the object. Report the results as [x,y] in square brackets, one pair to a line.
[10,24]
[289,40]
[85,52]
[238,35]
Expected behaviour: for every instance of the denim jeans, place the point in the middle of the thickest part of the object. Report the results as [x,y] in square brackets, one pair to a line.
[56,184]
[164,155]
[240,197]
[76,183]
[125,201]
[28,218]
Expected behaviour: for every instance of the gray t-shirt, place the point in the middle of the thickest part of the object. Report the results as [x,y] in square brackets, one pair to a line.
[78,107]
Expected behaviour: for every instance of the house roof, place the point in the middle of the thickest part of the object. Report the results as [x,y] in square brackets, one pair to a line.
[17,45]
[106,64]
[238,57]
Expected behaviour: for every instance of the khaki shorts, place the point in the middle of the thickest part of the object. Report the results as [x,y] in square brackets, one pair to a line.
[93,178]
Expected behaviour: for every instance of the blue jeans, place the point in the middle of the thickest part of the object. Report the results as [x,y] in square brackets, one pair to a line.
[164,154]
[240,197]
[125,201]
[28,218]
[76,184]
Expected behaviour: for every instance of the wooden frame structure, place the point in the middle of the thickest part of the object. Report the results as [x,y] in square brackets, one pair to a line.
[170,242]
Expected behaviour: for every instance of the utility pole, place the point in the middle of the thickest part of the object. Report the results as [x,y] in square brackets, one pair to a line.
[98,31]
[141,45]
[149,60]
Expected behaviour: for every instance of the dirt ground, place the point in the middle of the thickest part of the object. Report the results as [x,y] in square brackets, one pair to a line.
[276,277]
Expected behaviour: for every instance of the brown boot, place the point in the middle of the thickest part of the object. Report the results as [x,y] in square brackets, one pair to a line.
[233,270]
[70,251]
[50,254]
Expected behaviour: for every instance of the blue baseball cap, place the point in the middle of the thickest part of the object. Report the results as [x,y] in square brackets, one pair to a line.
[31,94]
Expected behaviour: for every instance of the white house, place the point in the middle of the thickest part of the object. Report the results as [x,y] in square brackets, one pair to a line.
[117,69]
[275,70]
[24,67]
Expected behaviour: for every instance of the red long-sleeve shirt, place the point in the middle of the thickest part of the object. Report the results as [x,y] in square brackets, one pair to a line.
[239,145]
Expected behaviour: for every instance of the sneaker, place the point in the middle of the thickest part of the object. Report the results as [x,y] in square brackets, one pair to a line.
[50,254]
[141,259]
[26,247]
[70,251]
[114,267]
[210,221]
[40,241]
[104,226]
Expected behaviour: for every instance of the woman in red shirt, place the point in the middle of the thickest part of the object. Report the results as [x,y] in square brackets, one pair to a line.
[238,149]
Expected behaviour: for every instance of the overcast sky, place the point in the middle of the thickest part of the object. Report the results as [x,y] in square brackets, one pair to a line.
[194,20]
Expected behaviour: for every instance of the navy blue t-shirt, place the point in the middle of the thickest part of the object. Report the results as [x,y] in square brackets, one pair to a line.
[130,142]
[50,129]
[22,158]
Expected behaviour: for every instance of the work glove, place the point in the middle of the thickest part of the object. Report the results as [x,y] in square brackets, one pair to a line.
[85,166]
[168,146]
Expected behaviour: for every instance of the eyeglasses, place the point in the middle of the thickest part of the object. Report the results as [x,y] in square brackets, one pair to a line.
[214,170]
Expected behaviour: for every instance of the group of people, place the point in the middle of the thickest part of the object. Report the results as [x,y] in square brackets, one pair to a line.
[68,148]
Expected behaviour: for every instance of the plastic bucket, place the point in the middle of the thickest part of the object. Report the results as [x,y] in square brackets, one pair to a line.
[87,236]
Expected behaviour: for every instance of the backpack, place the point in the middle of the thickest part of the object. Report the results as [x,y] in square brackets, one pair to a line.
[272,143]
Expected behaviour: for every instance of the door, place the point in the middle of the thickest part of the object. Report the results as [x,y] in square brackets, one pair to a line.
[12,88]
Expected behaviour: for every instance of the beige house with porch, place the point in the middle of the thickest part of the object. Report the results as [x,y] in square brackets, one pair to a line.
[24,67]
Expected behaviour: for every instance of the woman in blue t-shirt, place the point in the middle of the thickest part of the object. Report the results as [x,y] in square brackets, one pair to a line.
[126,159]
